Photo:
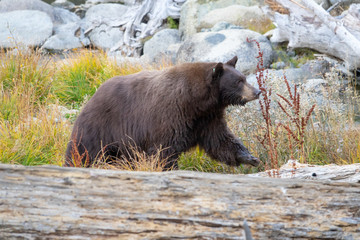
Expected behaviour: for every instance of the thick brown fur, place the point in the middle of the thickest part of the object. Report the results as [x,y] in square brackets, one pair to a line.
[175,109]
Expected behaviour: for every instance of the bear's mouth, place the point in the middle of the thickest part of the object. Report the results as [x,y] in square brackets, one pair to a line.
[242,102]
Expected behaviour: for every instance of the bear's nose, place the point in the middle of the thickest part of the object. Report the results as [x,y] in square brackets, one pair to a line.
[258,92]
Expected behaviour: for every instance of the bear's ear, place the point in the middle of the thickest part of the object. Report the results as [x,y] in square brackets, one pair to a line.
[217,71]
[233,61]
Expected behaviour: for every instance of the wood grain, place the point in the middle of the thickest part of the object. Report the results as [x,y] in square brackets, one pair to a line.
[51,202]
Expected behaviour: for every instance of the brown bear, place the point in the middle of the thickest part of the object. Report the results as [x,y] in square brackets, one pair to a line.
[176,109]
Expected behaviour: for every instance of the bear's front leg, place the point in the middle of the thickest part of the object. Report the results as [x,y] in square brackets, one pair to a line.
[218,141]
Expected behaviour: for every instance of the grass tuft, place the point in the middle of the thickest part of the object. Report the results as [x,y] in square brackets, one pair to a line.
[137,161]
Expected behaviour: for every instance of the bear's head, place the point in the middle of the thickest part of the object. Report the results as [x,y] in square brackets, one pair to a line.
[233,87]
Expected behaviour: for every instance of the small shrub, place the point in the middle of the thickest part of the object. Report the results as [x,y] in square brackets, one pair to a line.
[301,56]
[172,23]
[262,27]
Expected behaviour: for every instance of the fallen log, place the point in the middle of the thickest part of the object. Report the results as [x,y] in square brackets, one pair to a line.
[51,202]
[304,24]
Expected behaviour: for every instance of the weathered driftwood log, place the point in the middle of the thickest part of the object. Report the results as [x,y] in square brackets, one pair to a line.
[139,22]
[71,203]
[303,23]
[335,173]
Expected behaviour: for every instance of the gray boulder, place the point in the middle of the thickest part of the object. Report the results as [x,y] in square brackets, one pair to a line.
[221,26]
[66,25]
[63,4]
[126,2]
[315,85]
[160,45]
[64,16]
[24,27]
[57,15]
[247,17]
[98,22]
[13,5]
[65,38]
[313,69]
[68,33]
[194,10]
[293,75]
[223,45]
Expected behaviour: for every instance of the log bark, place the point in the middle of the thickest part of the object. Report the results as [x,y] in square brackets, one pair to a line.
[303,23]
[51,202]
[333,172]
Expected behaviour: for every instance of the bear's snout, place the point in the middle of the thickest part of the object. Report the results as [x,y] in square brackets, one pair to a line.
[250,93]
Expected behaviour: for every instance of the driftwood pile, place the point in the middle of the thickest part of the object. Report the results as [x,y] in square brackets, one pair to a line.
[71,203]
[305,24]
[141,21]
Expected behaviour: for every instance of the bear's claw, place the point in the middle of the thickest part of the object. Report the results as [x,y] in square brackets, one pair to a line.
[254,161]
[249,159]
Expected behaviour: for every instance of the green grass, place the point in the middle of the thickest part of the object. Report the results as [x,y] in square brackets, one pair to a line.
[33,140]
[302,55]
[172,23]
[79,78]
[34,130]
[197,160]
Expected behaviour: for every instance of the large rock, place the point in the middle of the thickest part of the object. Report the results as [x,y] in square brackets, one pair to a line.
[24,27]
[63,16]
[247,17]
[223,45]
[293,75]
[98,19]
[313,69]
[64,38]
[193,10]
[63,4]
[315,83]
[57,15]
[157,48]
[13,5]
[68,33]
[66,24]
[126,2]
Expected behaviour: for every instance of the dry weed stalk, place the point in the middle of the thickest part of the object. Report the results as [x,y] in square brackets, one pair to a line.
[268,140]
[141,161]
[78,160]
[296,123]
[133,160]
[294,117]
